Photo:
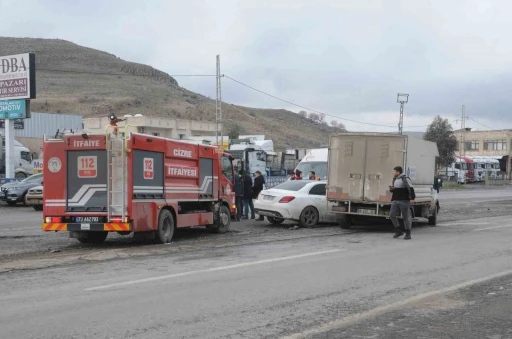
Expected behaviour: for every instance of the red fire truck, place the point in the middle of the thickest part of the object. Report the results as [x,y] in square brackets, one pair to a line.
[128,182]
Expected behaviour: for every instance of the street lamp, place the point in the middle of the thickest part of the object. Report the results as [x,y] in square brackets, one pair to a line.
[402,99]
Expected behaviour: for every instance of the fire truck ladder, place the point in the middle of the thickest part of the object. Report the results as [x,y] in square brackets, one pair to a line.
[116,174]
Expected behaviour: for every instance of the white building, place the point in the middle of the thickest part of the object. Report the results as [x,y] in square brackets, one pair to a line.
[157,126]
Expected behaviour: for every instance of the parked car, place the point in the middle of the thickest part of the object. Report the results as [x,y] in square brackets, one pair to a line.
[34,198]
[14,192]
[303,201]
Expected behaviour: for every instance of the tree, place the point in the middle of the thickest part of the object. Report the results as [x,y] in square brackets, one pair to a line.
[234,132]
[321,117]
[440,131]
[303,114]
[334,123]
[314,116]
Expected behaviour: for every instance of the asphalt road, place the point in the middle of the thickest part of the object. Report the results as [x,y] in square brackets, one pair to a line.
[259,281]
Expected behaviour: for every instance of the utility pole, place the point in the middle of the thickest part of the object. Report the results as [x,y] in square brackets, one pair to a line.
[402,99]
[462,148]
[218,107]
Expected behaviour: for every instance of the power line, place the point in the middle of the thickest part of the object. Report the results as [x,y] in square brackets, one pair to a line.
[492,129]
[304,107]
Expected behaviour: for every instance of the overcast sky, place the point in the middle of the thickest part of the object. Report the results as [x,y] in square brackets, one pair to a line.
[348,59]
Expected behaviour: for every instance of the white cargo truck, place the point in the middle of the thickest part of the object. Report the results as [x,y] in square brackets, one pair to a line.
[360,171]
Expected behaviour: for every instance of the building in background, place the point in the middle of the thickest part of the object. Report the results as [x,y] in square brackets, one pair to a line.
[30,131]
[484,143]
[157,126]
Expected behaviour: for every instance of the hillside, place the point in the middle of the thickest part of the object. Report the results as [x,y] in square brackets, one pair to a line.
[80,80]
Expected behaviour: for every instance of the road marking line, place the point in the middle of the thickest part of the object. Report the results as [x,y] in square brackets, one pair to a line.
[463,224]
[491,228]
[351,319]
[208,270]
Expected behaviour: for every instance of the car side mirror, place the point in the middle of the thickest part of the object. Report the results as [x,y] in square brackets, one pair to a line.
[41,182]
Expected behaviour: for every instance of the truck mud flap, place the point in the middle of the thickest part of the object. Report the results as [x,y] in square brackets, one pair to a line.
[86,181]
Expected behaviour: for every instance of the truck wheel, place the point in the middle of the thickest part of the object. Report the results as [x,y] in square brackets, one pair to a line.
[275,221]
[345,221]
[309,217]
[432,220]
[165,230]
[92,237]
[223,222]
[38,207]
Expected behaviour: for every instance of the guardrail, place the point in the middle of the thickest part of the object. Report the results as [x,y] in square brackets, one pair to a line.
[274,181]
[498,182]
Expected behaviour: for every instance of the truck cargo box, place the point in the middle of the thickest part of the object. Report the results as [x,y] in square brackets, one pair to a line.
[360,165]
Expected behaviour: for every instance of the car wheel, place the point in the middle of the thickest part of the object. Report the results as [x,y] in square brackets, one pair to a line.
[309,217]
[275,221]
[11,203]
[38,207]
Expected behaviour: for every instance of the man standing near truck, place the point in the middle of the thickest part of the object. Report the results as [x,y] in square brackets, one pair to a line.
[403,197]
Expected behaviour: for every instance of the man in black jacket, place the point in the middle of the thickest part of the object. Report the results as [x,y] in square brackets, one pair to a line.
[403,197]
[247,195]
[259,181]
[239,193]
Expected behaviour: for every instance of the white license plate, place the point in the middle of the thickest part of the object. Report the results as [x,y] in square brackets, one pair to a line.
[366,211]
[87,219]
[268,197]
[85,227]
[35,202]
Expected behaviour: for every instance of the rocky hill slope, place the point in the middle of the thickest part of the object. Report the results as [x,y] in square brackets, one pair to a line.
[80,80]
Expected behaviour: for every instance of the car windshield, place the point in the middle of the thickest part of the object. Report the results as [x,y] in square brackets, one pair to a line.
[33,178]
[292,185]
[319,167]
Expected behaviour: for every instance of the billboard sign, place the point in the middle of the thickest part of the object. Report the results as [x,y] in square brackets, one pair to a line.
[18,76]
[14,109]
[18,124]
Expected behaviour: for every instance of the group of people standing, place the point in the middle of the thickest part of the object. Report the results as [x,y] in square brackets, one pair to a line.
[245,191]
[297,175]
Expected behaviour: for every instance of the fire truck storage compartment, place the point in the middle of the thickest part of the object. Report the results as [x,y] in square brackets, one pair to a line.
[206,178]
[148,175]
[86,181]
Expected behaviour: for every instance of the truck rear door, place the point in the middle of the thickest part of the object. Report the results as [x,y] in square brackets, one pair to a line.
[346,163]
[86,187]
[383,153]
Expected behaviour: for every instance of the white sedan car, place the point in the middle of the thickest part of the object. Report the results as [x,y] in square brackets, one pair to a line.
[298,200]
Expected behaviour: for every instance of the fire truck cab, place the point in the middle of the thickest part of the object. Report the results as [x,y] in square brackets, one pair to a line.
[129,182]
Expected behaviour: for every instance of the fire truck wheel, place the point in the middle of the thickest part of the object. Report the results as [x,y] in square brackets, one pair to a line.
[223,222]
[92,237]
[165,230]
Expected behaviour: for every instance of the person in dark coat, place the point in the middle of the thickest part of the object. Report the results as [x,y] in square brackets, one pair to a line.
[259,181]
[239,193]
[438,182]
[247,196]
